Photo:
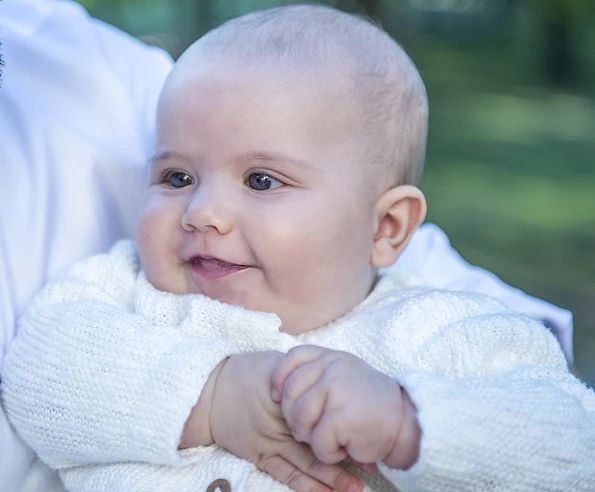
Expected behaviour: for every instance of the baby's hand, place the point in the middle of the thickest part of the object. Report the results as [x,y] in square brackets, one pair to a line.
[343,407]
[249,424]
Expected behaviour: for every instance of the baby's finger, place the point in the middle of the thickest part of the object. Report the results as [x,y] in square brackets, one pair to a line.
[303,414]
[295,358]
[326,442]
[299,382]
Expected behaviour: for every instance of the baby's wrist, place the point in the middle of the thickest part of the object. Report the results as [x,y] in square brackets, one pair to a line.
[405,451]
[197,429]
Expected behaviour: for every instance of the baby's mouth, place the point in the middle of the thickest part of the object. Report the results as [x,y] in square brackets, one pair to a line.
[214,268]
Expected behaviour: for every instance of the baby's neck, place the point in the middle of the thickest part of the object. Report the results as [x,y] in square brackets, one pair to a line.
[300,329]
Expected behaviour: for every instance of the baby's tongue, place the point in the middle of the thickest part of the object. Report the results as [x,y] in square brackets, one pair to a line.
[213,265]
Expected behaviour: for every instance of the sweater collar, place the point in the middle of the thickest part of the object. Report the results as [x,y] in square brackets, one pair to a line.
[202,316]
[199,315]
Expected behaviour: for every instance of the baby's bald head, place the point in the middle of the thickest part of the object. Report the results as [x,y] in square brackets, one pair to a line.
[351,59]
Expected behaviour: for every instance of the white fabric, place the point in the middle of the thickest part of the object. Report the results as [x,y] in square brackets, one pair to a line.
[76,121]
[101,387]
[76,124]
[431,259]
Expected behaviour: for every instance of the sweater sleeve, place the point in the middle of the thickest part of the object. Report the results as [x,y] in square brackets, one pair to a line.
[89,381]
[210,465]
[498,410]
[431,258]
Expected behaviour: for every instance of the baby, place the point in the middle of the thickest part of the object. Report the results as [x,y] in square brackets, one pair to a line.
[289,146]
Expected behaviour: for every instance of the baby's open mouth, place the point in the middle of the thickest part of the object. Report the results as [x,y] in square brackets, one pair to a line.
[214,268]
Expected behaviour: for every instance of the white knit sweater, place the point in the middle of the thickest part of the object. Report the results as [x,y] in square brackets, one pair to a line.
[106,370]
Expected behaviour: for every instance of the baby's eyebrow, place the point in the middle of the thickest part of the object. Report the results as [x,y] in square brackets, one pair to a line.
[268,156]
[166,155]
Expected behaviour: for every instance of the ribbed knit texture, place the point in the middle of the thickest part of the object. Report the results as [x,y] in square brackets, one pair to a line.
[106,370]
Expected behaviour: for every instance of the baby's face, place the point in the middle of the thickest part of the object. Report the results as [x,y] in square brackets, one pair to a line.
[257,197]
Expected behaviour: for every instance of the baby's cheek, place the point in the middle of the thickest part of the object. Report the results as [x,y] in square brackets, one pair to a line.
[148,226]
[158,216]
[157,238]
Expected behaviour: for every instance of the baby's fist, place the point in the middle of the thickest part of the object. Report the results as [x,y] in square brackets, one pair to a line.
[342,407]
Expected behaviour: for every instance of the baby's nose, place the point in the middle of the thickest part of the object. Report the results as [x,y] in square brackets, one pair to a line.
[206,212]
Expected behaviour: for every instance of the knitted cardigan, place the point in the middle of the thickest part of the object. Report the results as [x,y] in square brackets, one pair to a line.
[106,369]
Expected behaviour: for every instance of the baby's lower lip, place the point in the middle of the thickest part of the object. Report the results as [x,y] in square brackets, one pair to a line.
[213,269]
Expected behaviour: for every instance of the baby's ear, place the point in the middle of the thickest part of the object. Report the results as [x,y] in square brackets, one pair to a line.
[398,213]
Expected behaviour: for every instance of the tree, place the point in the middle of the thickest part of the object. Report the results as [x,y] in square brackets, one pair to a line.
[561,64]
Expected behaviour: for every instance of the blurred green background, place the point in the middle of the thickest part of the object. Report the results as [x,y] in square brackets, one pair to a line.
[510,174]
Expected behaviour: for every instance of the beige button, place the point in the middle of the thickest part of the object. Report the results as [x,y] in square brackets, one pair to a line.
[219,485]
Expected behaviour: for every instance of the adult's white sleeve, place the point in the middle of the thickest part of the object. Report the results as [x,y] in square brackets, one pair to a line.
[88,381]
[432,260]
[498,410]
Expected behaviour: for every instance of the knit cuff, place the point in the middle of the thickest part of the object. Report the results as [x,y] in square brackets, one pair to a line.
[516,430]
[159,408]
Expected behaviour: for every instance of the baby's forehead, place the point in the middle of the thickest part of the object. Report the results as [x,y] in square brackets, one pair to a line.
[346,66]
[328,87]
[320,105]
[311,49]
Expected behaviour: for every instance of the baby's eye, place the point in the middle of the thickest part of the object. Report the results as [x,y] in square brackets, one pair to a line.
[263,182]
[177,179]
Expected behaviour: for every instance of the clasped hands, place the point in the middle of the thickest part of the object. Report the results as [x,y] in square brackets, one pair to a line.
[298,415]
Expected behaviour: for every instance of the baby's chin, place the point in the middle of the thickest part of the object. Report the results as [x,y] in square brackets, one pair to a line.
[295,319]
[297,316]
